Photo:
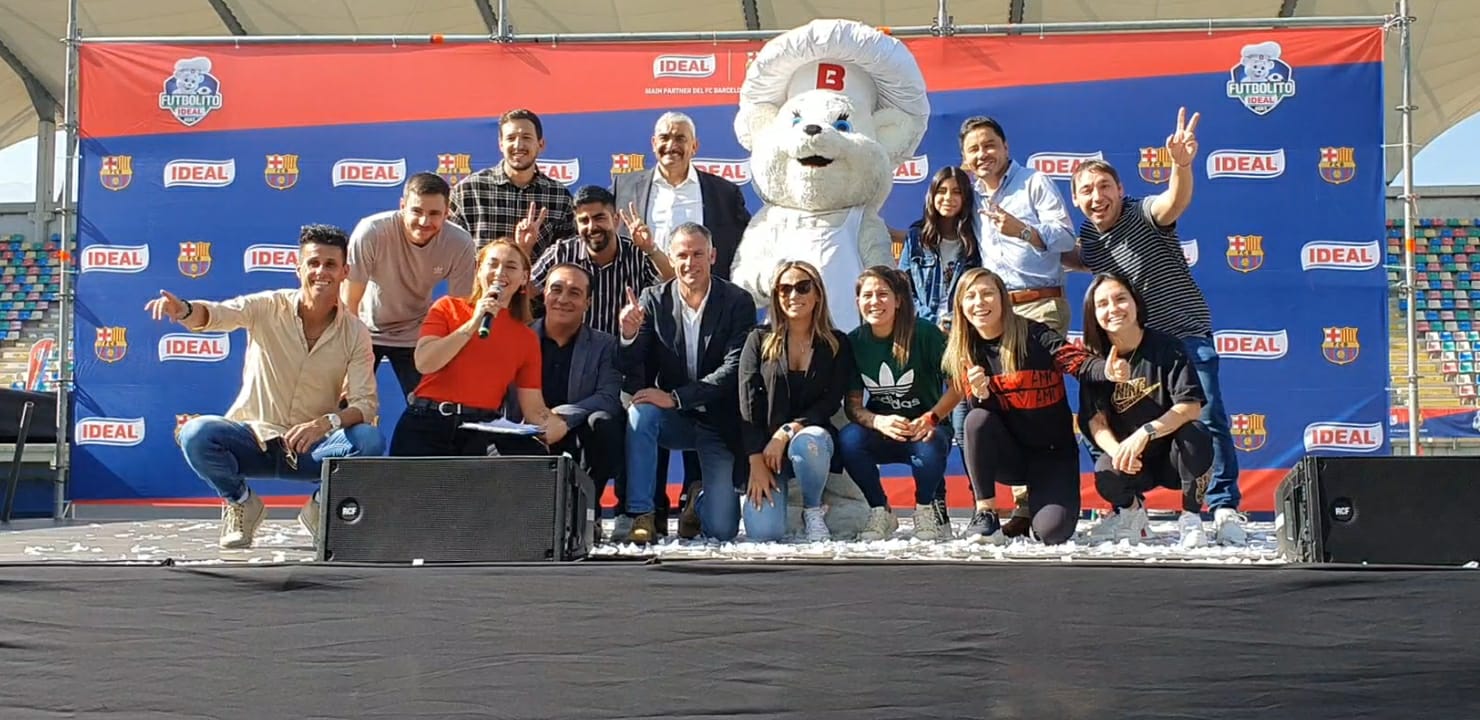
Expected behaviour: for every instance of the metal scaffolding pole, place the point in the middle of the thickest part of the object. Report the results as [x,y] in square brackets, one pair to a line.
[504,29]
[65,258]
[46,174]
[1410,292]
[718,36]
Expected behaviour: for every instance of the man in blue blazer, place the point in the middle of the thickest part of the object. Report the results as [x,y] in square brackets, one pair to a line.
[581,378]
[681,344]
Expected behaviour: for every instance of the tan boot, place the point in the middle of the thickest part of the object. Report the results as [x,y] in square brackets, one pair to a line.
[644,529]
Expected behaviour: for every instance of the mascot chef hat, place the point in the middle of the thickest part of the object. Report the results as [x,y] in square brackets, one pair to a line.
[874,70]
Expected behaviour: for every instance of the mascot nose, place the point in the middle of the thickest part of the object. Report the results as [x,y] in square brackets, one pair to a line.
[812,129]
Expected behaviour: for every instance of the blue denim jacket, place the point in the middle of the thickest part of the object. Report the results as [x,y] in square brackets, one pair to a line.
[926,274]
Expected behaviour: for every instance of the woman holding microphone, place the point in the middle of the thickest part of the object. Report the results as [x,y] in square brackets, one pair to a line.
[466,375]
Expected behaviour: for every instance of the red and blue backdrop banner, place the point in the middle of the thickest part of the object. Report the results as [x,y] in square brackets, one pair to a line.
[200,163]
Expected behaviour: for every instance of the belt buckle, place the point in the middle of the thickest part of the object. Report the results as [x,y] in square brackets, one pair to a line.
[442,408]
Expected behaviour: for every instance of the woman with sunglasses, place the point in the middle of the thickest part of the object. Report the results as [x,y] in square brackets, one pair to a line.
[792,374]
[897,356]
[465,378]
[1020,430]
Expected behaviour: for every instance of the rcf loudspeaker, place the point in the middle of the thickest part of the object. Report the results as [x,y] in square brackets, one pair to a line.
[455,509]
[1381,510]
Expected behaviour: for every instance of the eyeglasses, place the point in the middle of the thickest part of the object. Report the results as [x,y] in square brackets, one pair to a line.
[802,288]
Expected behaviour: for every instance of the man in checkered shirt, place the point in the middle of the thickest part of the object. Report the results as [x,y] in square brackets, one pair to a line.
[514,199]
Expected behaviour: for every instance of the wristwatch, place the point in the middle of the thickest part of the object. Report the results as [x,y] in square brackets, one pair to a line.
[1150,431]
[1027,235]
[334,422]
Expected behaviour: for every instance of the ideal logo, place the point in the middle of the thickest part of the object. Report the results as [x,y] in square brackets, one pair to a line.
[270,258]
[370,173]
[1059,165]
[1322,255]
[913,170]
[117,432]
[1246,163]
[566,172]
[683,66]
[1252,344]
[736,171]
[192,92]
[1343,437]
[199,173]
[194,347]
[115,258]
[1261,80]
[1190,252]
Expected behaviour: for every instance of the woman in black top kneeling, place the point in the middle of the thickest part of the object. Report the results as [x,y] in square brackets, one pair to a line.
[1146,426]
[1019,430]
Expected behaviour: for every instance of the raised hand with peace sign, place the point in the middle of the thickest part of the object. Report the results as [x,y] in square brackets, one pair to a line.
[631,316]
[642,235]
[1182,143]
[527,230]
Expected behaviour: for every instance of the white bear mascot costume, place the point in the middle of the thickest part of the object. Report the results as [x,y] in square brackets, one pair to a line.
[827,111]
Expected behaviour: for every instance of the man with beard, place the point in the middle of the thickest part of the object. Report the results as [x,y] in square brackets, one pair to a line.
[616,264]
[396,259]
[514,199]
[676,192]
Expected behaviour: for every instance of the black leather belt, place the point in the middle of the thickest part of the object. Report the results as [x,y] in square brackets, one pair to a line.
[450,409]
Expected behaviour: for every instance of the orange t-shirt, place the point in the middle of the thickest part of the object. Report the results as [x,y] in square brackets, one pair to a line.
[480,373]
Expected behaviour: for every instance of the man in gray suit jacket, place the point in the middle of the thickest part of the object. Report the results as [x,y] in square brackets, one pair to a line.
[582,381]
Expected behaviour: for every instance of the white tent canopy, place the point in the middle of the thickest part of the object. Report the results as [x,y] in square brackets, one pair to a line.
[31,32]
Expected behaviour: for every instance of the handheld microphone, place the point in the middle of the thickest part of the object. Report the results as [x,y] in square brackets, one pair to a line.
[487,323]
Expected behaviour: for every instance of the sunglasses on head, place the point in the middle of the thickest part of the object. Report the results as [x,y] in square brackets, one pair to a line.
[801,288]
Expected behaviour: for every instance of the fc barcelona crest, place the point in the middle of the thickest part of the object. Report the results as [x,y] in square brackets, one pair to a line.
[281,172]
[116,171]
[1246,252]
[1338,164]
[180,420]
[453,167]
[1340,345]
[1156,165]
[195,258]
[111,344]
[1248,431]
[623,163]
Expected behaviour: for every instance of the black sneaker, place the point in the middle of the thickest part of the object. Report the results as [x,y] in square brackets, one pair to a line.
[985,528]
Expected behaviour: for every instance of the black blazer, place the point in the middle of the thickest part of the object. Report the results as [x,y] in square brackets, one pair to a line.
[657,356]
[725,214]
[768,398]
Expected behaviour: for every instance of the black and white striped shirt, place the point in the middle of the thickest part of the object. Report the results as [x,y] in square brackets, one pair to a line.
[609,284]
[1151,258]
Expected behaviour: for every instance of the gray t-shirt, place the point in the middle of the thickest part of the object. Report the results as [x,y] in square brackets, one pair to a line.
[400,276]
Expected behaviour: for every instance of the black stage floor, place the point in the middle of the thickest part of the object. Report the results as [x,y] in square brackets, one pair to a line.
[710,639]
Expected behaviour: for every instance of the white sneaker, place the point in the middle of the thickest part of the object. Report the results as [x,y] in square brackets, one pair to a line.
[927,524]
[1126,524]
[1190,533]
[1228,527]
[814,525]
[621,528]
[881,524]
[239,522]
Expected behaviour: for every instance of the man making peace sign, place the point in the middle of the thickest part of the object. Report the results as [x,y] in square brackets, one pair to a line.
[1136,239]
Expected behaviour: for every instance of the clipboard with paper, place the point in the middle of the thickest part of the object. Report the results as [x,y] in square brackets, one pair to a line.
[503,427]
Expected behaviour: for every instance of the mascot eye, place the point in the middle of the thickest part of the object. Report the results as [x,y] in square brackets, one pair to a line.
[796,119]
[842,125]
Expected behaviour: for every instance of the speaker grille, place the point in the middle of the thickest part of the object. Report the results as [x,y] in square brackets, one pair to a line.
[495,509]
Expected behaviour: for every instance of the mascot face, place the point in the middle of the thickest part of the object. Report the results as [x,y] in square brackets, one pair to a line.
[818,153]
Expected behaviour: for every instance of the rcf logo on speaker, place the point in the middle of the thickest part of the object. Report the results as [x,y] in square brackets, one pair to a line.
[1343,437]
[118,432]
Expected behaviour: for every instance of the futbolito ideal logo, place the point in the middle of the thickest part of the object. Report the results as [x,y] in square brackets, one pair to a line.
[1261,80]
[192,92]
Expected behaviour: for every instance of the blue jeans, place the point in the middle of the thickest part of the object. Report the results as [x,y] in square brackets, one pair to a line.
[808,459]
[865,449]
[224,453]
[649,428]
[1223,486]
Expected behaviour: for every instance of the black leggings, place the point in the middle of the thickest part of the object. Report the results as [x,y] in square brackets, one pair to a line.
[1052,476]
[1180,461]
